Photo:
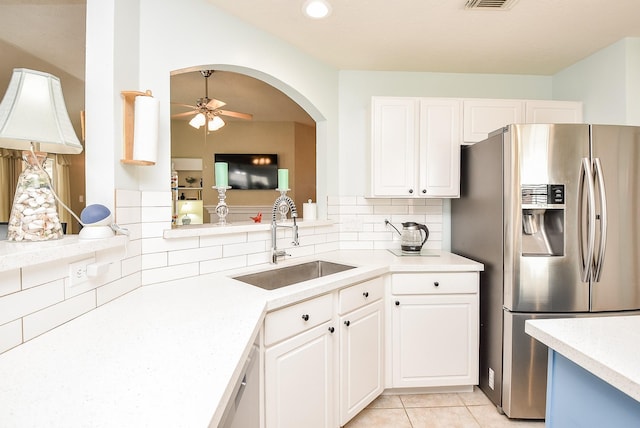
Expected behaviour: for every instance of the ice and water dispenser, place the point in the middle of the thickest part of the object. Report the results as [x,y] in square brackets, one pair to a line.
[543,220]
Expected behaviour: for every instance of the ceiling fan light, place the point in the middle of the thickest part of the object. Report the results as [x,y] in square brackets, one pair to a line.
[316,9]
[198,120]
[215,123]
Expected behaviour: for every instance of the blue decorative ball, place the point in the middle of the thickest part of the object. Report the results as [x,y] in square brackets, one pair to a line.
[94,213]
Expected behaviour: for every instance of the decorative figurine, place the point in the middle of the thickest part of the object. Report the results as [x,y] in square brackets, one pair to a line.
[257,219]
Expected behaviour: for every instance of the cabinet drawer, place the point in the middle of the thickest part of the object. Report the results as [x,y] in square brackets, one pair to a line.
[360,294]
[294,319]
[434,283]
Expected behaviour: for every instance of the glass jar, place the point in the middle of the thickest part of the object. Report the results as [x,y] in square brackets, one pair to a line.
[34,216]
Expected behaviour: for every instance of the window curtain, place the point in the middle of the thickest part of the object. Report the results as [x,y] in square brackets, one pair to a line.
[63,188]
[10,169]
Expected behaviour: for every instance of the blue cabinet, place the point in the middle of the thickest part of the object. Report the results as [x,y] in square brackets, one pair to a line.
[577,398]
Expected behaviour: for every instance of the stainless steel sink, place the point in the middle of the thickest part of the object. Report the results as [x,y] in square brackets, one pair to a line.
[281,277]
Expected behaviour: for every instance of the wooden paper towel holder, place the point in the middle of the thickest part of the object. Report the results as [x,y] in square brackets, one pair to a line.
[129,99]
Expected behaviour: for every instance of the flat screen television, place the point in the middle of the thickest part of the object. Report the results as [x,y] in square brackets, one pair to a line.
[251,171]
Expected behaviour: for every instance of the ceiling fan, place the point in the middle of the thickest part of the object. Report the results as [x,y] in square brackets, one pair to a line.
[207,110]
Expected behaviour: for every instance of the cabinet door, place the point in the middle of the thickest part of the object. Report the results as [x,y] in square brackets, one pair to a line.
[435,340]
[299,379]
[440,148]
[545,111]
[394,156]
[361,359]
[484,116]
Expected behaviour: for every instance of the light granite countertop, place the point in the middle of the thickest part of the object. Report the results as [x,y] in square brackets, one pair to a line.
[166,355]
[606,346]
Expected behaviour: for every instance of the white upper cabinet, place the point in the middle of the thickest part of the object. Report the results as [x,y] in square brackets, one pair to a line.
[440,128]
[543,111]
[394,151]
[482,116]
[415,147]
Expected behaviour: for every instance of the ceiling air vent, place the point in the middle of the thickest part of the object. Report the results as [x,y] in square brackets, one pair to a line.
[489,4]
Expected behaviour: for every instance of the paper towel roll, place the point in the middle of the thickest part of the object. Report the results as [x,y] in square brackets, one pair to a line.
[309,211]
[145,129]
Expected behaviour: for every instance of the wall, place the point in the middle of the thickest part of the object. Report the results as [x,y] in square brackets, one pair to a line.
[282,138]
[305,163]
[607,82]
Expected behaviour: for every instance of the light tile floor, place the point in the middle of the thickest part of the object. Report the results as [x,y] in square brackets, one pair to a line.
[450,410]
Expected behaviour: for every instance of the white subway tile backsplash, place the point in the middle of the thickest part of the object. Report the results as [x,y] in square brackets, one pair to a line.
[329,246]
[263,235]
[194,255]
[133,248]
[390,209]
[131,265]
[154,229]
[47,272]
[357,245]
[154,260]
[135,230]
[341,200]
[156,199]
[150,214]
[234,238]
[258,258]
[9,282]
[10,335]
[152,276]
[360,200]
[156,245]
[128,198]
[223,264]
[244,248]
[128,215]
[117,288]
[17,305]
[55,315]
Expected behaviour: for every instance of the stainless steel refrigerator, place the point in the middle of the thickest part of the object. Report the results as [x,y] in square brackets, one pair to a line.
[553,212]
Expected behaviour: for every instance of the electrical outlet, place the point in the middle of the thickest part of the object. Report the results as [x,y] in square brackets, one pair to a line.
[78,271]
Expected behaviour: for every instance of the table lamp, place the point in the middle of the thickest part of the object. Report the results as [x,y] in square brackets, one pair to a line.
[186,210]
[34,119]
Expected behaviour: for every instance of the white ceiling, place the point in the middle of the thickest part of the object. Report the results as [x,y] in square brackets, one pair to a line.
[534,37]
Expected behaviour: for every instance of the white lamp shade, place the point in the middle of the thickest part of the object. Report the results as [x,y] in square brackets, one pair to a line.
[33,110]
[198,120]
[215,123]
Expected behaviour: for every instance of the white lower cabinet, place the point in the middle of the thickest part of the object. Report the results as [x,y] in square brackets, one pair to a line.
[361,348]
[302,348]
[299,359]
[299,381]
[325,357]
[435,328]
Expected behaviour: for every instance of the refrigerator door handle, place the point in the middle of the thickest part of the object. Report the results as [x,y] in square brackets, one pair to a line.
[603,219]
[586,176]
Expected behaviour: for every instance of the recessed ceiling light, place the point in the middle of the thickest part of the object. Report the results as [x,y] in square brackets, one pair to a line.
[316,9]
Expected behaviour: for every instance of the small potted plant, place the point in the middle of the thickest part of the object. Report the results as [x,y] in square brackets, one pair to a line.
[190,180]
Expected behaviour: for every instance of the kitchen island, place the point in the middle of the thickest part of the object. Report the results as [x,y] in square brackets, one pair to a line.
[594,375]
[169,354]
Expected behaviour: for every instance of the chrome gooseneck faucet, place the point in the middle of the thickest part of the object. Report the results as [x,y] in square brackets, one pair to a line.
[282,205]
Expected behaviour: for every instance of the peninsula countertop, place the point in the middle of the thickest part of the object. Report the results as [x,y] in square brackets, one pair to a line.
[607,346]
[168,354]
